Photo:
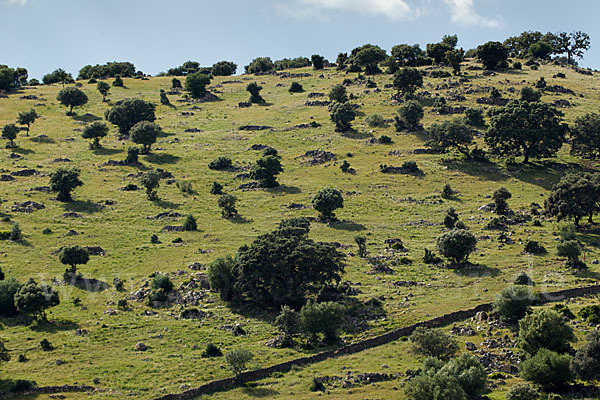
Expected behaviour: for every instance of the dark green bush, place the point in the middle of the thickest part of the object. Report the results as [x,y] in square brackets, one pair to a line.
[211,350]
[547,369]
[220,163]
[433,343]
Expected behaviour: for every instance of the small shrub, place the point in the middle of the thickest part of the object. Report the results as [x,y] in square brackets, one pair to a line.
[157,296]
[547,329]
[161,281]
[547,369]
[211,350]
[522,391]
[591,314]
[375,120]
[474,117]
[15,233]
[524,279]
[517,65]
[533,247]
[46,345]
[433,343]
[571,250]
[451,218]
[383,139]
[190,224]
[216,188]
[325,318]
[513,302]
[411,167]
[361,242]
[185,187]
[316,385]
[154,239]
[430,258]
[457,245]
[448,192]
[296,88]
[564,310]
[220,163]
[227,204]
[237,360]
[133,154]
[288,321]
[440,74]
[345,167]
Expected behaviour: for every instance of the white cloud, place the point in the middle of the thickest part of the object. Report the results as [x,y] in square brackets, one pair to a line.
[20,2]
[463,13]
[393,9]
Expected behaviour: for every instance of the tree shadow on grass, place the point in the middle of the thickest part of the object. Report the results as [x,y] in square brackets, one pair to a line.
[165,204]
[477,271]
[259,392]
[87,117]
[586,273]
[102,151]
[347,226]
[55,326]
[354,134]
[285,189]
[484,170]
[91,285]
[38,139]
[239,220]
[82,206]
[161,158]
[545,174]
[20,150]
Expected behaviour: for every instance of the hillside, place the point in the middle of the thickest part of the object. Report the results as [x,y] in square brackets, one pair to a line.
[95,340]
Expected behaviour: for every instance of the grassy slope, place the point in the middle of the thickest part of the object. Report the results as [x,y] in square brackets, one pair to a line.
[380,206]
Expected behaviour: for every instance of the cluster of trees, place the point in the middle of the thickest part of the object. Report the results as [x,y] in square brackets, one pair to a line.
[10,131]
[538,45]
[545,338]
[58,76]
[575,197]
[221,68]
[442,375]
[30,298]
[108,70]
[282,267]
[291,63]
[11,78]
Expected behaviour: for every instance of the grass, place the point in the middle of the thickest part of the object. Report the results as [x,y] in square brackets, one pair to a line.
[378,206]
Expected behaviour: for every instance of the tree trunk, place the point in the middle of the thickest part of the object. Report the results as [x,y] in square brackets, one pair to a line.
[526,154]
[591,218]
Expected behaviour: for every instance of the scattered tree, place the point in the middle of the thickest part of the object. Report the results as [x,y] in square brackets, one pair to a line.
[8,289]
[492,54]
[34,299]
[530,94]
[196,84]
[71,97]
[433,343]
[326,201]
[224,68]
[118,82]
[586,363]
[531,129]
[58,76]
[338,94]
[571,250]
[317,61]
[585,134]
[27,118]
[407,81]
[574,197]
[145,133]
[457,245]
[296,88]
[288,321]
[254,90]
[545,328]
[361,242]
[104,89]
[227,204]
[368,56]
[325,318]
[73,256]
[95,131]
[190,224]
[129,112]
[266,170]
[164,100]
[220,276]
[237,360]
[572,44]
[9,132]
[455,57]
[260,64]
[150,181]
[514,302]
[410,114]
[548,369]
[451,134]
[63,181]
[500,204]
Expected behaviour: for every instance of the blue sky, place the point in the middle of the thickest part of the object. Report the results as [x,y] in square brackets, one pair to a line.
[42,35]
